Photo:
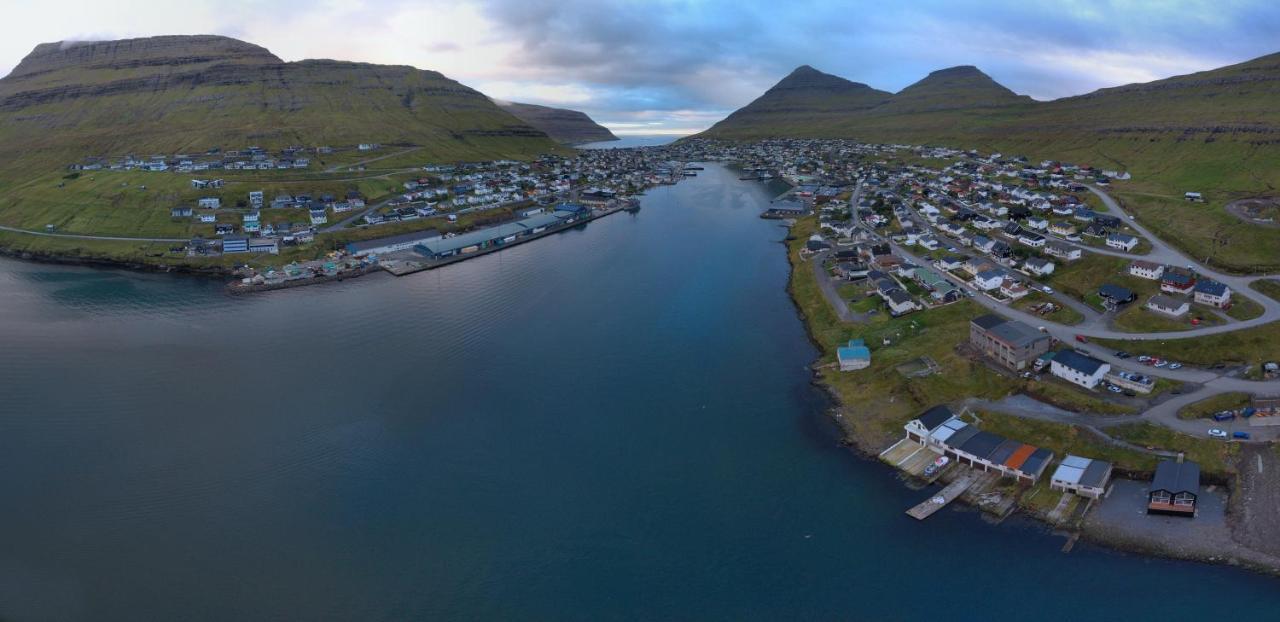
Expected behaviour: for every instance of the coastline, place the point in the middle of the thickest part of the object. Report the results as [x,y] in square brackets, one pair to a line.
[865,446]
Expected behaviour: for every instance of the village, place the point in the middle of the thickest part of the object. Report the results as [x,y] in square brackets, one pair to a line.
[1057,265]
[415,218]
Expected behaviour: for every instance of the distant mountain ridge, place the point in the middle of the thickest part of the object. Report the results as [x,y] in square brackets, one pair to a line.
[570,127]
[176,93]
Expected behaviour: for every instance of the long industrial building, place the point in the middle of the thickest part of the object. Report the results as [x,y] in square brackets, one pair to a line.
[475,241]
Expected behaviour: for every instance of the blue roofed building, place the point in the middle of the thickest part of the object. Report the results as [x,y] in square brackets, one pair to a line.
[854,356]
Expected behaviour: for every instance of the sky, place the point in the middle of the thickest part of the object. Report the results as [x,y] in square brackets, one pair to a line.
[673,67]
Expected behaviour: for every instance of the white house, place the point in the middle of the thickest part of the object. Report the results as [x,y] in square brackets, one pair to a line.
[210,202]
[1122,241]
[1077,368]
[318,216]
[1212,293]
[1168,305]
[206,217]
[1039,266]
[1038,223]
[1146,270]
[988,280]
[1062,251]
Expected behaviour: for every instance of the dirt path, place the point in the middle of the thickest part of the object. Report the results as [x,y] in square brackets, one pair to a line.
[1240,209]
[1256,505]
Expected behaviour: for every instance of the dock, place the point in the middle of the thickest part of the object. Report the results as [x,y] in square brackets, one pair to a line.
[936,502]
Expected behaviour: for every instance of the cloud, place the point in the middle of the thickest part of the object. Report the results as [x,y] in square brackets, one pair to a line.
[683,64]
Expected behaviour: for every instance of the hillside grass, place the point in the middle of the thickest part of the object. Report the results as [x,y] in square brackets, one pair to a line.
[1251,346]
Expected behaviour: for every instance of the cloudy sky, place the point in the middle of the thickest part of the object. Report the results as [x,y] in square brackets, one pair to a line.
[674,67]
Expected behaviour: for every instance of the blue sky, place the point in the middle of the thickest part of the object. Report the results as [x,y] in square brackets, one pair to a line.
[678,66]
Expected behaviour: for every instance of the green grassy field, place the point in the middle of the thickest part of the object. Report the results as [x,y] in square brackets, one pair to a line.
[1068,397]
[1252,346]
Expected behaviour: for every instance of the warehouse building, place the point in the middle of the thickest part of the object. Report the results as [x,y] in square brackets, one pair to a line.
[391,244]
[1085,477]
[944,433]
[1011,343]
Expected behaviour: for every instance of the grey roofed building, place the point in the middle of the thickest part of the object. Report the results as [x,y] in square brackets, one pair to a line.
[1017,333]
[1086,365]
[898,296]
[981,444]
[935,417]
[406,240]
[1177,477]
[962,435]
[1004,450]
[1036,462]
[989,321]
[1095,475]
[1116,293]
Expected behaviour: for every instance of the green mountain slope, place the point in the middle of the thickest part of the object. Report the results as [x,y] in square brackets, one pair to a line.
[951,89]
[570,127]
[65,101]
[805,99]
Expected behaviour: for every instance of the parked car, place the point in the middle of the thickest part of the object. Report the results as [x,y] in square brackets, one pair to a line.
[1046,289]
[1244,436]
[1225,415]
[1121,354]
[1082,339]
[1143,358]
[1114,389]
[1216,433]
[1162,363]
[1175,365]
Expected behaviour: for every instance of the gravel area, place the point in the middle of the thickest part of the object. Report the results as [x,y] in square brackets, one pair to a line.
[1256,507]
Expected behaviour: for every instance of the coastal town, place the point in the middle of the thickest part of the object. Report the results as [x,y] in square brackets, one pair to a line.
[1046,282]
[437,214]
[1061,290]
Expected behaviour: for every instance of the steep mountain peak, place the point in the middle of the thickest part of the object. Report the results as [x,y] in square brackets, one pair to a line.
[963,86]
[806,77]
[141,53]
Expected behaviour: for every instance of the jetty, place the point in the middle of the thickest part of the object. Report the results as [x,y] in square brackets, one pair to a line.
[936,502]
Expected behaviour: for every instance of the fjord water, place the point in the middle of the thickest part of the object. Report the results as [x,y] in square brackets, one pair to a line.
[615,422]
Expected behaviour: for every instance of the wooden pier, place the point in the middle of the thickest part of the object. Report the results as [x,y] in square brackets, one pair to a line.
[938,501]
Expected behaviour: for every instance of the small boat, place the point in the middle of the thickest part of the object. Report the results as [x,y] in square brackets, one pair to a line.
[936,466]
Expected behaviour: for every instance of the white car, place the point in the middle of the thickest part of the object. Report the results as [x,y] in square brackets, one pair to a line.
[1175,365]
[1216,433]
[1046,289]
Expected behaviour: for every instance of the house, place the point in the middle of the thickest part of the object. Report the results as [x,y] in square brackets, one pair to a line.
[1062,251]
[988,280]
[1038,266]
[251,222]
[951,263]
[1085,477]
[1195,197]
[1168,305]
[1013,288]
[1174,489]
[900,302]
[1084,214]
[235,244]
[1009,342]
[1115,294]
[1146,270]
[1077,368]
[180,212]
[208,218]
[1212,293]
[209,202]
[1062,228]
[262,245]
[1122,241]
[983,243]
[1034,240]
[318,216]
[255,199]
[1038,223]
[854,356]
[224,229]
[1177,281]
[921,428]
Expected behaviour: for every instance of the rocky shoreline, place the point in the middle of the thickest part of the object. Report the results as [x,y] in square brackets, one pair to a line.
[1235,554]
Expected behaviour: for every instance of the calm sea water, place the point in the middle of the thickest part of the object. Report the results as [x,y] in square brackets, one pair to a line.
[615,423]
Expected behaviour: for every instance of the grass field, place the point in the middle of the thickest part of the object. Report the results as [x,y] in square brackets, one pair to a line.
[1207,407]
[878,400]
[1267,287]
[1058,393]
[1215,457]
[1136,318]
[1243,308]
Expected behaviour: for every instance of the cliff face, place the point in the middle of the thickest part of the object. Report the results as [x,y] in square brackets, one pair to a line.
[175,93]
[562,125]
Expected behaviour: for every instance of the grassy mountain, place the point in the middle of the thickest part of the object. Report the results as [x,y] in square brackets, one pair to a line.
[170,94]
[951,89]
[561,124]
[805,99]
